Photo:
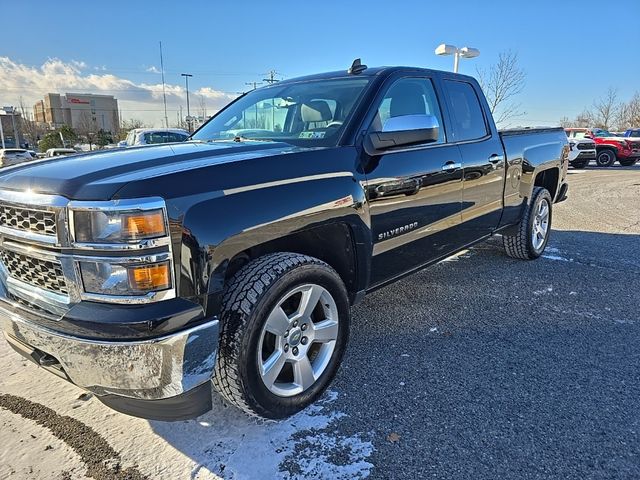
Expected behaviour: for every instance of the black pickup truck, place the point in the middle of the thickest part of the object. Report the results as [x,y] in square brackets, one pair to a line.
[151,275]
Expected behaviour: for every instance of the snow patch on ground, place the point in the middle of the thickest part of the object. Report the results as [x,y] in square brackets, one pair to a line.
[544,291]
[231,445]
[457,256]
[224,443]
[31,451]
[557,258]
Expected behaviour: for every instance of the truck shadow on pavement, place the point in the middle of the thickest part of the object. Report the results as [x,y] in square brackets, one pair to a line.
[480,367]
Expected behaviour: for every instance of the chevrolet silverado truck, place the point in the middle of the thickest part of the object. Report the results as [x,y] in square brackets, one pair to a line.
[609,147]
[152,276]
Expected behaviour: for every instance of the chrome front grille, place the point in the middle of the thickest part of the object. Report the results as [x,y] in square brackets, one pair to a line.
[586,146]
[44,274]
[42,222]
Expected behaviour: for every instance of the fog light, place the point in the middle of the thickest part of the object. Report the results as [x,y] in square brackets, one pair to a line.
[150,277]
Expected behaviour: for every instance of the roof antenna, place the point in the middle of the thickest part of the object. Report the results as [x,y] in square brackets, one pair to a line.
[356,67]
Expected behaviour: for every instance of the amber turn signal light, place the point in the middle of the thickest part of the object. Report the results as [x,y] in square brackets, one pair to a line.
[150,277]
[145,225]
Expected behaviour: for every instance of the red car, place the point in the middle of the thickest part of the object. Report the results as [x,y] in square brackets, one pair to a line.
[609,147]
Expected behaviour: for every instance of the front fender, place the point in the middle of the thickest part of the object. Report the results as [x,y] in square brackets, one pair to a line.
[220,226]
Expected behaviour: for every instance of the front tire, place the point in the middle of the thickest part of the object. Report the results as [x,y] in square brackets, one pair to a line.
[580,163]
[531,237]
[284,329]
[606,158]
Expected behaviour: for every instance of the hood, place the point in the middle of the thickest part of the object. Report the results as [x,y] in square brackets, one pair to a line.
[582,140]
[99,175]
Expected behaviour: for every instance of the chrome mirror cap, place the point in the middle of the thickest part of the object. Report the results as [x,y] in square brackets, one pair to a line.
[410,122]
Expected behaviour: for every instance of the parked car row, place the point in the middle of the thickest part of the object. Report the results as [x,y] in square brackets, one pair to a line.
[609,148]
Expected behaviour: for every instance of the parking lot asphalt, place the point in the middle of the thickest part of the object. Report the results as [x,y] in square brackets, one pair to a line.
[479,367]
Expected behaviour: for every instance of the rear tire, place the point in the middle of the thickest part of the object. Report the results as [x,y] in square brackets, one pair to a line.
[284,329]
[522,243]
[627,162]
[606,158]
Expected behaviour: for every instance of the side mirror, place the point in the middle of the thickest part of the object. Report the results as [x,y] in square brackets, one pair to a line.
[404,130]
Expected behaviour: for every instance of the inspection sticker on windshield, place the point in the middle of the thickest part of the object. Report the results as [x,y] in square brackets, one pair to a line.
[311,134]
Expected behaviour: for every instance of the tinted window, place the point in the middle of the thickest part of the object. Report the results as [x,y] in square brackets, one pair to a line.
[176,137]
[409,96]
[467,118]
[157,137]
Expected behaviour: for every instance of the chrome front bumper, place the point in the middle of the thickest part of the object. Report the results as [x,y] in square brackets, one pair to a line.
[154,369]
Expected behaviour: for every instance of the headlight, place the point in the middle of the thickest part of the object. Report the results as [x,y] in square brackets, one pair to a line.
[95,226]
[125,280]
[571,145]
[125,229]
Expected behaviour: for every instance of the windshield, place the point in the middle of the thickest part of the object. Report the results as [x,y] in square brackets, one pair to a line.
[602,133]
[309,113]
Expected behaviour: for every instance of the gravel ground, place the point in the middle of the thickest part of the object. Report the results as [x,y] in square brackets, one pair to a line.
[480,367]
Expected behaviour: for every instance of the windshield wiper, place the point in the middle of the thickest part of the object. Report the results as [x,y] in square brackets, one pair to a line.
[241,138]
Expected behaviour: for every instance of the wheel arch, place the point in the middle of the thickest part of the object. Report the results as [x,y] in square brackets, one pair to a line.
[548,179]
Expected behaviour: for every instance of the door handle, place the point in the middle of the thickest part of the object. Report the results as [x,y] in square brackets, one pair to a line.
[495,158]
[451,166]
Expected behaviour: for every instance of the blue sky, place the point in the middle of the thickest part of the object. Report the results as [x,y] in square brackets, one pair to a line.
[568,60]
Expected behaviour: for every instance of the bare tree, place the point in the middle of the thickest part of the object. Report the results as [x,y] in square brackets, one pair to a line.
[502,82]
[85,125]
[629,113]
[32,131]
[606,109]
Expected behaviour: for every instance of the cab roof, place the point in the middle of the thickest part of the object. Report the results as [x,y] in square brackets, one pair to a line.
[368,72]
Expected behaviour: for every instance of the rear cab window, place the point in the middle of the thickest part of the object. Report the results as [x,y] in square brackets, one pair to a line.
[467,116]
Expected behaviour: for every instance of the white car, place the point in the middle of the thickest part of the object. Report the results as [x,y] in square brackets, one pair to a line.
[14,156]
[581,152]
[152,136]
[59,152]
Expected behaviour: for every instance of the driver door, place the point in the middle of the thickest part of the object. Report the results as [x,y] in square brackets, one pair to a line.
[414,192]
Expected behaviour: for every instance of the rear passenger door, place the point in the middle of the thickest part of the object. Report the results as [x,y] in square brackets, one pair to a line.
[483,159]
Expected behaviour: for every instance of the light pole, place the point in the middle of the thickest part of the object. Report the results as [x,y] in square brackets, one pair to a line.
[464,52]
[186,81]
[1,133]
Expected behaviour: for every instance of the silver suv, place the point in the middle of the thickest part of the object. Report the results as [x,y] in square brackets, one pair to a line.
[14,156]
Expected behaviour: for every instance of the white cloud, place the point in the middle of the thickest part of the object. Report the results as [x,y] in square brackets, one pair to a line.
[79,64]
[152,69]
[136,100]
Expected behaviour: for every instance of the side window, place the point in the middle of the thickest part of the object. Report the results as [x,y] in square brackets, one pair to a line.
[409,96]
[467,118]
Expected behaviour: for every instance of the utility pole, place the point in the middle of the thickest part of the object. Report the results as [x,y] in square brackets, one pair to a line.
[271,80]
[255,85]
[186,81]
[272,77]
[164,94]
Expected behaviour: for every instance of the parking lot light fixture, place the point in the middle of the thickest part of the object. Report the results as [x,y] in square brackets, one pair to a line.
[464,52]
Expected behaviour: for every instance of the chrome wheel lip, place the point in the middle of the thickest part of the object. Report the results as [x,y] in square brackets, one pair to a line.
[540,227]
[320,332]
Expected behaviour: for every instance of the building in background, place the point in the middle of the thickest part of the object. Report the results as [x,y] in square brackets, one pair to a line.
[84,113]
[11,128]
